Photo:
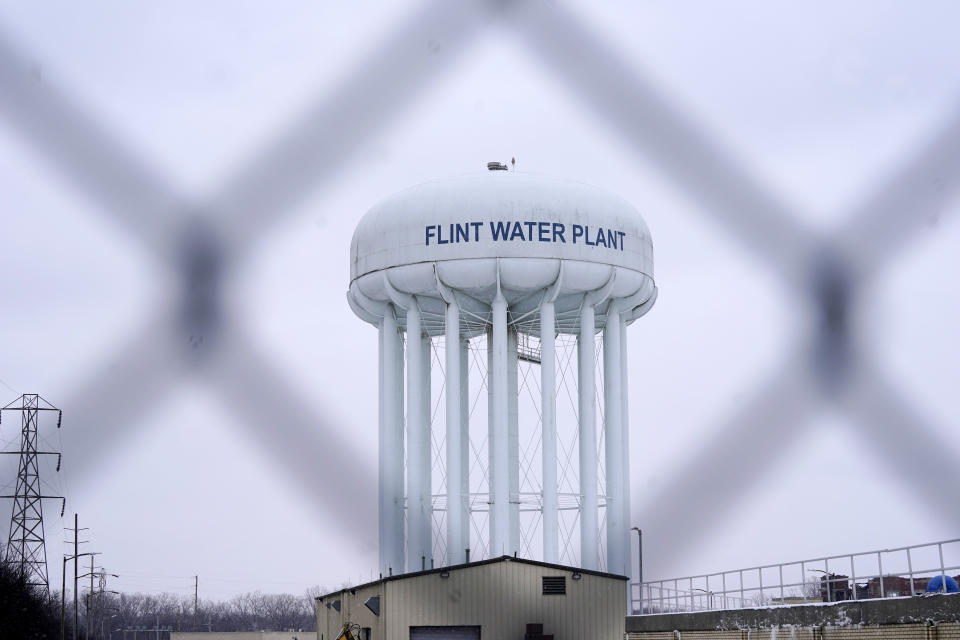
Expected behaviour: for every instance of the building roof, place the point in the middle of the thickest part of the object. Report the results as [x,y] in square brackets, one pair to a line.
[469,565]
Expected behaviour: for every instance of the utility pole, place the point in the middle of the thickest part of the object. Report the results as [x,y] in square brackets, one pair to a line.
[89,599]
[63,599]
[76,620]
[25,544]
[76,554]
[101,608]
[196,591]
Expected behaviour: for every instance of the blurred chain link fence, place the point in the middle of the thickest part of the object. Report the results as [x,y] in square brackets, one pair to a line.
[202,243]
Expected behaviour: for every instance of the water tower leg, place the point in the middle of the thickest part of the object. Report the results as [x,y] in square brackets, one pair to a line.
[499,444]
[381,457]
[426,456]
[548,410]
[391,448]
[513,439]
[491,512]
[613,444]
[417,432]
[465,438]
[625,447]
[455,537]
[625,461]
[586,359]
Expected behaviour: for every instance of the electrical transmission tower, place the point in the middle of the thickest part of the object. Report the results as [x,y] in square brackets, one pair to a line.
[25,545]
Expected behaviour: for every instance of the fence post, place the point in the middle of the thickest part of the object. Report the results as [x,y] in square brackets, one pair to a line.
[880,566]
[826,576]
[853,577]
[943,576]
[910,569]
[781,584]
[803,580]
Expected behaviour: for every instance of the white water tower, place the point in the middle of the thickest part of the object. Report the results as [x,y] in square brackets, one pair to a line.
[502,301]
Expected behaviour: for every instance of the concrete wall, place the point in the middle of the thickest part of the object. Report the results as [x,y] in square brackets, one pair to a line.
[500,597]
[911,631]
[923,609]
[243,635]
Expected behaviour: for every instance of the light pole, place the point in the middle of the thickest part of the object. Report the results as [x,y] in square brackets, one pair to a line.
[102,633]
[827,579]
[639,554]
[639,564]
[709,599]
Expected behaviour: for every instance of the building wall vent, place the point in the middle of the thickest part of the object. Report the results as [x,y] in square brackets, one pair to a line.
[554,585]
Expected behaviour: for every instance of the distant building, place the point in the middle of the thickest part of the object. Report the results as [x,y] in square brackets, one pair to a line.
[835,587]
[235,635]
[895,586]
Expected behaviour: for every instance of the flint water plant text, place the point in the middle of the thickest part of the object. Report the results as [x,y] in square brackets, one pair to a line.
[523,231]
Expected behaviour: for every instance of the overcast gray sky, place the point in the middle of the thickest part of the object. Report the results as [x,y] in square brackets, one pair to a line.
[820,103]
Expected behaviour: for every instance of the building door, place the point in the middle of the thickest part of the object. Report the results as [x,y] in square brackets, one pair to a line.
[444,633]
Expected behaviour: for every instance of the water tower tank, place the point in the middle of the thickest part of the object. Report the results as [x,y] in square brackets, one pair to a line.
[517,261]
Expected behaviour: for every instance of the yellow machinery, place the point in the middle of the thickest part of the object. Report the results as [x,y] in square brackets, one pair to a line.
[351,631]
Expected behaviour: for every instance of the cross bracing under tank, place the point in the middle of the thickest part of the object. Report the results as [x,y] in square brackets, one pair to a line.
[529,499]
